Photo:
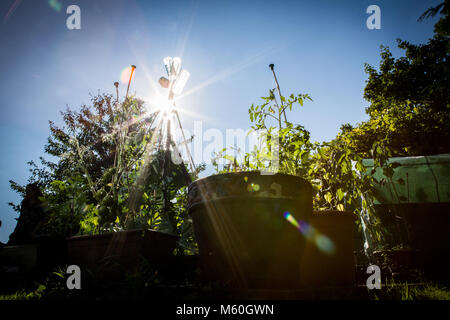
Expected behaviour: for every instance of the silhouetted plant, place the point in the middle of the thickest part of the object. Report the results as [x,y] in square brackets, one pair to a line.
[105,177]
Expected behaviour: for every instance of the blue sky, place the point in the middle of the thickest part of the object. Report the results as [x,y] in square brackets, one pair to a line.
[318,47]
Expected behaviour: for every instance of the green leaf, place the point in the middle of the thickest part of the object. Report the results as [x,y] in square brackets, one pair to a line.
[271,96]
[340,194]
[360,167]
[328,197]
[228,157]
[321,153]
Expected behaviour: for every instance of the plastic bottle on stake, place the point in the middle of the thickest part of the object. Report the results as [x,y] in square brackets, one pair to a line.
[181,82]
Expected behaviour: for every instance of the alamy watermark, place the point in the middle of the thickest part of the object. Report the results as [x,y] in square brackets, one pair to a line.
[73,22]
[261,145]
[74,280]
[374,20]
[374,280]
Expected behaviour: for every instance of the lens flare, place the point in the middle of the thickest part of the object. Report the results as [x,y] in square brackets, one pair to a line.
[253,187]
[324,244]
[11,10]
[158,102]
[291,219]
[311,234]
[55,5]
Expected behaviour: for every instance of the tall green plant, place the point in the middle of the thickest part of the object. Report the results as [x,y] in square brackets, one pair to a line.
[104,176]
[337,174]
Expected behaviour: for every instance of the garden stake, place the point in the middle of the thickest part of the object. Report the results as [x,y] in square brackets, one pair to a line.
[133,67]
[278,87]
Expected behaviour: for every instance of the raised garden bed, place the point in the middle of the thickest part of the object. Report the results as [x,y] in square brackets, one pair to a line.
[21,258]
[124,248]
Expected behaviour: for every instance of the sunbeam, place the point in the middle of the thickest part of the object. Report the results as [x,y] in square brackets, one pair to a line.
[232,70]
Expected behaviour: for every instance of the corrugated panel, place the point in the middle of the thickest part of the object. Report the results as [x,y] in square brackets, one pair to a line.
[426,180]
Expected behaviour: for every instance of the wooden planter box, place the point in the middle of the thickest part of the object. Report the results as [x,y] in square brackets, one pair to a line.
[124,248]
[329,259]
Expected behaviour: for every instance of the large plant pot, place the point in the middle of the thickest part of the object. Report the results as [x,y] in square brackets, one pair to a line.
[429,237]
[414,211]
[52,251]
[41,256]
[329,259]
[124,248]
[22,258]
[242,233]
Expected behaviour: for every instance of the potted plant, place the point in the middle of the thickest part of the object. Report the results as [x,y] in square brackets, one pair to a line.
[152,233]
[105,193]
[335,246]
[226,209]
[243,216]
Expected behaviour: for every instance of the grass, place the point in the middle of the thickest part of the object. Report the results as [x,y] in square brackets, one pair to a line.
[130,290]
[405,291]
[25,295]
[148,282]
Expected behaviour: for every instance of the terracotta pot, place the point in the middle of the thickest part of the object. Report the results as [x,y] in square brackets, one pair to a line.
[241,228]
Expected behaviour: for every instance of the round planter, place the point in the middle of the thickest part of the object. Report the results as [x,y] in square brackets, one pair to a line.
[329,259]
[241,228]
[22,258]
[124,248]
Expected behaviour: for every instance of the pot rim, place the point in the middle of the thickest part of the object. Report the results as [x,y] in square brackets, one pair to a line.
[108,234]
[256,172]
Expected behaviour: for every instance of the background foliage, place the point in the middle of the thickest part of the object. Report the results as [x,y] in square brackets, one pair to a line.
[409,115]
[101,176]
[105,177]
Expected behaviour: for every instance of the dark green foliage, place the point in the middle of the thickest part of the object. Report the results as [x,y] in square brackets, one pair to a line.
[442,27]
[30,223]
[106,177]
[409,98]
[409,115]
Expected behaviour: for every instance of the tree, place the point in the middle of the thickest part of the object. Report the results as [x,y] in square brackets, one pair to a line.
[409,101]
[105,176]
[442,27]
